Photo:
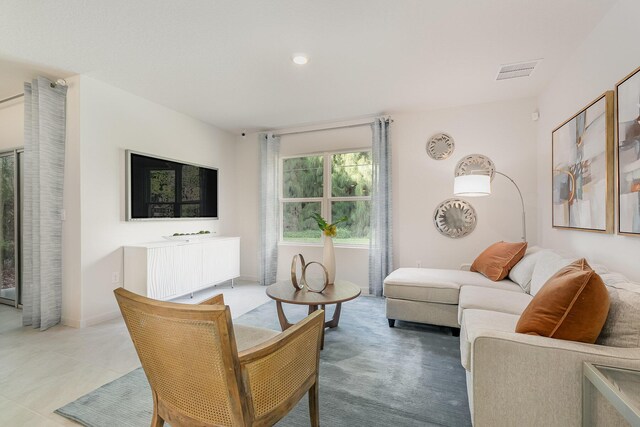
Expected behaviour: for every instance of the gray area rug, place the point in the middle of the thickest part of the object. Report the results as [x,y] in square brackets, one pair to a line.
[370,375]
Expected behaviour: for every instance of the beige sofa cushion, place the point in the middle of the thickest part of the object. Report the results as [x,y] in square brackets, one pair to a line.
[437,285]
[248,336]
[480,298]
[476,321]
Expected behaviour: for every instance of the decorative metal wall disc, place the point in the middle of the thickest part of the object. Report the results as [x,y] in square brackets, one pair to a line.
[324,272]
[455,218]
[294,271]
[476,164]
[440,146]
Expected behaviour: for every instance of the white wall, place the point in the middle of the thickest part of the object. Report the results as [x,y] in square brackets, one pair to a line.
[609,53]
[111,121]
[12,124]
[71,227]
[503,131]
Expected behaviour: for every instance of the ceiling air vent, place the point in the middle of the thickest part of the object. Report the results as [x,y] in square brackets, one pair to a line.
[520,69]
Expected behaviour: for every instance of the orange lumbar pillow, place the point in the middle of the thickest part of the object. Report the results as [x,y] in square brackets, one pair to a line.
[496,261]
[572,305]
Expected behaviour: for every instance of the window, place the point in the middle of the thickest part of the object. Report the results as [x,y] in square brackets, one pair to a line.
[335,185]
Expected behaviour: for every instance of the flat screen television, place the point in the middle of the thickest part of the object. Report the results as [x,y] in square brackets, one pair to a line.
[161,189]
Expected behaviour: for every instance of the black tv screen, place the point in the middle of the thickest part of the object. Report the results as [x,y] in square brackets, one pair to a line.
[164,189]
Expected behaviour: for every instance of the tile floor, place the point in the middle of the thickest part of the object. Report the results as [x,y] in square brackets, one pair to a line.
[42,371]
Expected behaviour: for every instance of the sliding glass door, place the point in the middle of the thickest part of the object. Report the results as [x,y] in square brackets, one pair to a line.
[10,222]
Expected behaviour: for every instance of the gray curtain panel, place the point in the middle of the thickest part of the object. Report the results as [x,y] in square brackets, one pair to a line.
[380,250]
[44,134]
[269,208]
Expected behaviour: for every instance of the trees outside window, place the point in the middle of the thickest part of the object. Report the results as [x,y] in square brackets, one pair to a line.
[331,184]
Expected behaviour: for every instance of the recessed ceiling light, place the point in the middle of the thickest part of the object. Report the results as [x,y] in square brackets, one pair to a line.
[300,59]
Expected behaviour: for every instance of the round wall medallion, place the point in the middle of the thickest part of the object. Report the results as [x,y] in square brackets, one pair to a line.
[455,218]
[440,146]
[475,164]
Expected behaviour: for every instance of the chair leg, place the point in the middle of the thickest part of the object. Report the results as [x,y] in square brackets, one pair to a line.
[314,407]
[156,420]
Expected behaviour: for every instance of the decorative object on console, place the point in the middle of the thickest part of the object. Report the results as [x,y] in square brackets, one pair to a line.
[628,111]
[497,260]
[476,182]
[306,281]
[440,146]
[202,234]
[582,164]
[475,164]
[328,253]
[455,218]
[572,305]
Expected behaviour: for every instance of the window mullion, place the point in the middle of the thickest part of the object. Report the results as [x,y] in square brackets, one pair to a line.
[349,198]
[326,205]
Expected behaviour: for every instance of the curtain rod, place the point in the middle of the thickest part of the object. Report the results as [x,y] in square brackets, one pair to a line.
[329,128]
[11,98]
[61,82]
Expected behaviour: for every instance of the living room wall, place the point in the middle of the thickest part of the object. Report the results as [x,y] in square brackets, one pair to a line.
[11,124]
[608,54]
[111,121]
[503,131]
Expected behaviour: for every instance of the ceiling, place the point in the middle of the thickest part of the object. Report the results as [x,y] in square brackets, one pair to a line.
[229,62]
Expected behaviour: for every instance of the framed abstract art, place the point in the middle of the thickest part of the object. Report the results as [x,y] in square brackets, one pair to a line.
[582,163]
[628,141]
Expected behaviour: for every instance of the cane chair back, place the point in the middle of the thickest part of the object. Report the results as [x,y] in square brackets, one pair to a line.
[197,377]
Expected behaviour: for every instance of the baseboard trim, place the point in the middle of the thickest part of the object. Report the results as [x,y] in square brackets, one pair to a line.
[73,323]
[249,278]
[99,319]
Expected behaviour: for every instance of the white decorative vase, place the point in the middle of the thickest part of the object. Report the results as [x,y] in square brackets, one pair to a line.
[329,259]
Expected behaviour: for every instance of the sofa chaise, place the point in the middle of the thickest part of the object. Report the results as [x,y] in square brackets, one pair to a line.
[516,379]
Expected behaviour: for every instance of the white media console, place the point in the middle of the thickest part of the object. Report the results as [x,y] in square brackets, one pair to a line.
[169,269]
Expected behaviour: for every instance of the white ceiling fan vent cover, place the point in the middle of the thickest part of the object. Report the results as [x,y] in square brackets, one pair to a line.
[519,69]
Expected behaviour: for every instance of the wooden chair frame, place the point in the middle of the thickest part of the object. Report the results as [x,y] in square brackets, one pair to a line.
[237,365]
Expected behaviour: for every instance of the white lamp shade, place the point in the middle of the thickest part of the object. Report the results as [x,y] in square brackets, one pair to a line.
[472,185]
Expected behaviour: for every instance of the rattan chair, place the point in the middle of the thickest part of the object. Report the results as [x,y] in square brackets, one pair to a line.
[197,376]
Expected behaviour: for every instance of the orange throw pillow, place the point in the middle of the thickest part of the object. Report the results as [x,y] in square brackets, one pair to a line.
[496,261]
[573,305]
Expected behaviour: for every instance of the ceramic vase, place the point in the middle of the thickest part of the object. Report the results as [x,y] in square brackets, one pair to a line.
[329,259]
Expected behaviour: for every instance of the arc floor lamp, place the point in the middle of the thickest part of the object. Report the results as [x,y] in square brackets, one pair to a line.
[478,184]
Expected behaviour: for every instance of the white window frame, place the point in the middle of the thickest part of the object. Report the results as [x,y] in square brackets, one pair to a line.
[325,200]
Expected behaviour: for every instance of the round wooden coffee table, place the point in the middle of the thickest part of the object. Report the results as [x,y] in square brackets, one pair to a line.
[284,292]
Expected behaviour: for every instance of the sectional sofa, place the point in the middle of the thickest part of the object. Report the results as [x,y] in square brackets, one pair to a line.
[515,379]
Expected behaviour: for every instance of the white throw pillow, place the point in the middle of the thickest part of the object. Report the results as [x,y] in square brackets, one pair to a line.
[548,264]
[533,250]
[522,272]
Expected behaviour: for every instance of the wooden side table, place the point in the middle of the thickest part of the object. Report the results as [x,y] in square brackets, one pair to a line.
[284,292]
